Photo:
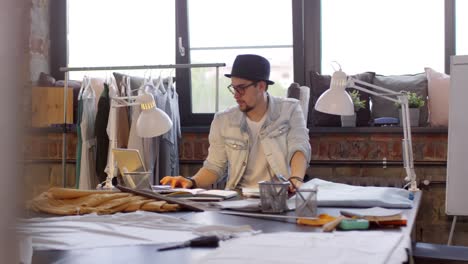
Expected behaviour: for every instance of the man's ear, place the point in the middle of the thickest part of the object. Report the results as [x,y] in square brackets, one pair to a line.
[262,85]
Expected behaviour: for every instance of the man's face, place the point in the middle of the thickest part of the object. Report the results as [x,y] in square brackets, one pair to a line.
[247,93]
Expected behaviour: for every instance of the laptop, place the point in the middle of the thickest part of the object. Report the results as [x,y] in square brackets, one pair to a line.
[132,171]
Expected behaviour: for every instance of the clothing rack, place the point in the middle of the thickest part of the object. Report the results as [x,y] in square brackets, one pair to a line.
[67,70]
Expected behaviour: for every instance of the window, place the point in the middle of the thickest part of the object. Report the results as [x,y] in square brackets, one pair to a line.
[120,33]
[387,37]
[461,25]
[220,30]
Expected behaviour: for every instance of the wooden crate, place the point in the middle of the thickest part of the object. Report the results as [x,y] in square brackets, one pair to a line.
[47,106]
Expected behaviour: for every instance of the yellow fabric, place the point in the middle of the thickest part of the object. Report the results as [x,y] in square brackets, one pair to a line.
[320,221]
[64,201]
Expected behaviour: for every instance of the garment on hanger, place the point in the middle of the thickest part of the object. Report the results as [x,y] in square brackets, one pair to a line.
[168,158]
[100,131]
[149,147]
[84,85]
[146,146]
[123,126]
[87,177]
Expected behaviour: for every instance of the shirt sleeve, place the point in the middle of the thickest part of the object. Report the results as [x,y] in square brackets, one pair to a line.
[217,157]
[298,136]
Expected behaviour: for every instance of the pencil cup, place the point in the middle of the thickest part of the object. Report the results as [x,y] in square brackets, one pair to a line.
[306,202]
[273,196]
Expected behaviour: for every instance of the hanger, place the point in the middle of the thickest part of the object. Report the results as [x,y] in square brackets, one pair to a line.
[146,86]
[85,85]
[160,84]
[171,80]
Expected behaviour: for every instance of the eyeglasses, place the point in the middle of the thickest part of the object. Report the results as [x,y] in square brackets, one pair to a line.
[240,89]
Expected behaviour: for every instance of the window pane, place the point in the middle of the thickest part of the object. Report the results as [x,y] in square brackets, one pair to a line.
[387,37]
[120,33]
[204,79]
[215,23]
[238,27]
[461,27]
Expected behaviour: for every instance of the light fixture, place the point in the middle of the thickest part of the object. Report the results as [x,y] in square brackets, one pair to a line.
[337,101]
[151,122]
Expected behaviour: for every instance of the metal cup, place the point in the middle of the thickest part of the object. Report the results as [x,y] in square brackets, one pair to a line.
[273,196]
[306,202]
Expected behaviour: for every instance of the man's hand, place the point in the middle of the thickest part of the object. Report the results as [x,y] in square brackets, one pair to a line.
[295,184]
[176,181]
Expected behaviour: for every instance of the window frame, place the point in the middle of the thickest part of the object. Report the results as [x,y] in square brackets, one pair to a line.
[306,23]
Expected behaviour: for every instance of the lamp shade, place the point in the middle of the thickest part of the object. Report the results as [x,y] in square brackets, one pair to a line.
[152,121]
[336,100]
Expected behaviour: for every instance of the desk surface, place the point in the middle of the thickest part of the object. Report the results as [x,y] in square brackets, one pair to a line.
[148,253]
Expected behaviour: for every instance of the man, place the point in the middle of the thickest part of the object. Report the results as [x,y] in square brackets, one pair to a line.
[263,136]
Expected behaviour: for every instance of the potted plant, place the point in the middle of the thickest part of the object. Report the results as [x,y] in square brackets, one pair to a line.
[350,121]
[415,102]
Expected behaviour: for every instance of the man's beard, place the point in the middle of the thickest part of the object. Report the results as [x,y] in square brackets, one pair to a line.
[247,108]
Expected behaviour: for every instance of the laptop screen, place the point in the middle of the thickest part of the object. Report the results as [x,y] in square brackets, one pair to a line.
[132,172]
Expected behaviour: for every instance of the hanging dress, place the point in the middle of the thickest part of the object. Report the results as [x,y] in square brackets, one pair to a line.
[102,139]
[88,178]
[168,146]
[84,85]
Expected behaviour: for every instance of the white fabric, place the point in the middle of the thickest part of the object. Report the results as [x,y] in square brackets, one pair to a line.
[88,179]
[304,100]
[257,164]
[344,195]
[300,247]
[138,228]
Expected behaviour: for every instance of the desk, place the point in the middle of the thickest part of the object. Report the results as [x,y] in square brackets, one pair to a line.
[148,253]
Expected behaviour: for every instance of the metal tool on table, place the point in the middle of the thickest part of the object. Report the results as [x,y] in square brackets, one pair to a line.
[201,242]
[160,197]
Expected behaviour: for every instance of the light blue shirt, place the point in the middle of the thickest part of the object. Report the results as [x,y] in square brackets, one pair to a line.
[283,133]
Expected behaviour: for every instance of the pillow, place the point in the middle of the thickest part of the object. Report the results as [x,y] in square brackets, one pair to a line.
[319,84]
[416,83]
[438,93]
[46,80]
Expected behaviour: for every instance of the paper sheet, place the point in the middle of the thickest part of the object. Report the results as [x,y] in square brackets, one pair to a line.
[300,248]
[344,195]
[138,228]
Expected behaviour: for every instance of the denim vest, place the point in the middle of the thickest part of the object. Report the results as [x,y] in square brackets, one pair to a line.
[283,133]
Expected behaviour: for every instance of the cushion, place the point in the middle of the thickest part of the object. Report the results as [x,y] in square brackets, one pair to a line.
[416,83]
[319,84]
[438,93]
[294,91]
[46,80]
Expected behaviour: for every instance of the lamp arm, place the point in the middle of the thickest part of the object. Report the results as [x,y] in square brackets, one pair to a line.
[407,144]
[353,84]
[380,88]
[408,159]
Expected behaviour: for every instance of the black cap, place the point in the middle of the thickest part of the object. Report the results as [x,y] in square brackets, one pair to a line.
[251,67]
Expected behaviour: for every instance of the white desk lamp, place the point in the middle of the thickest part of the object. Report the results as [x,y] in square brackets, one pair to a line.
[152,122]
[337,101]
